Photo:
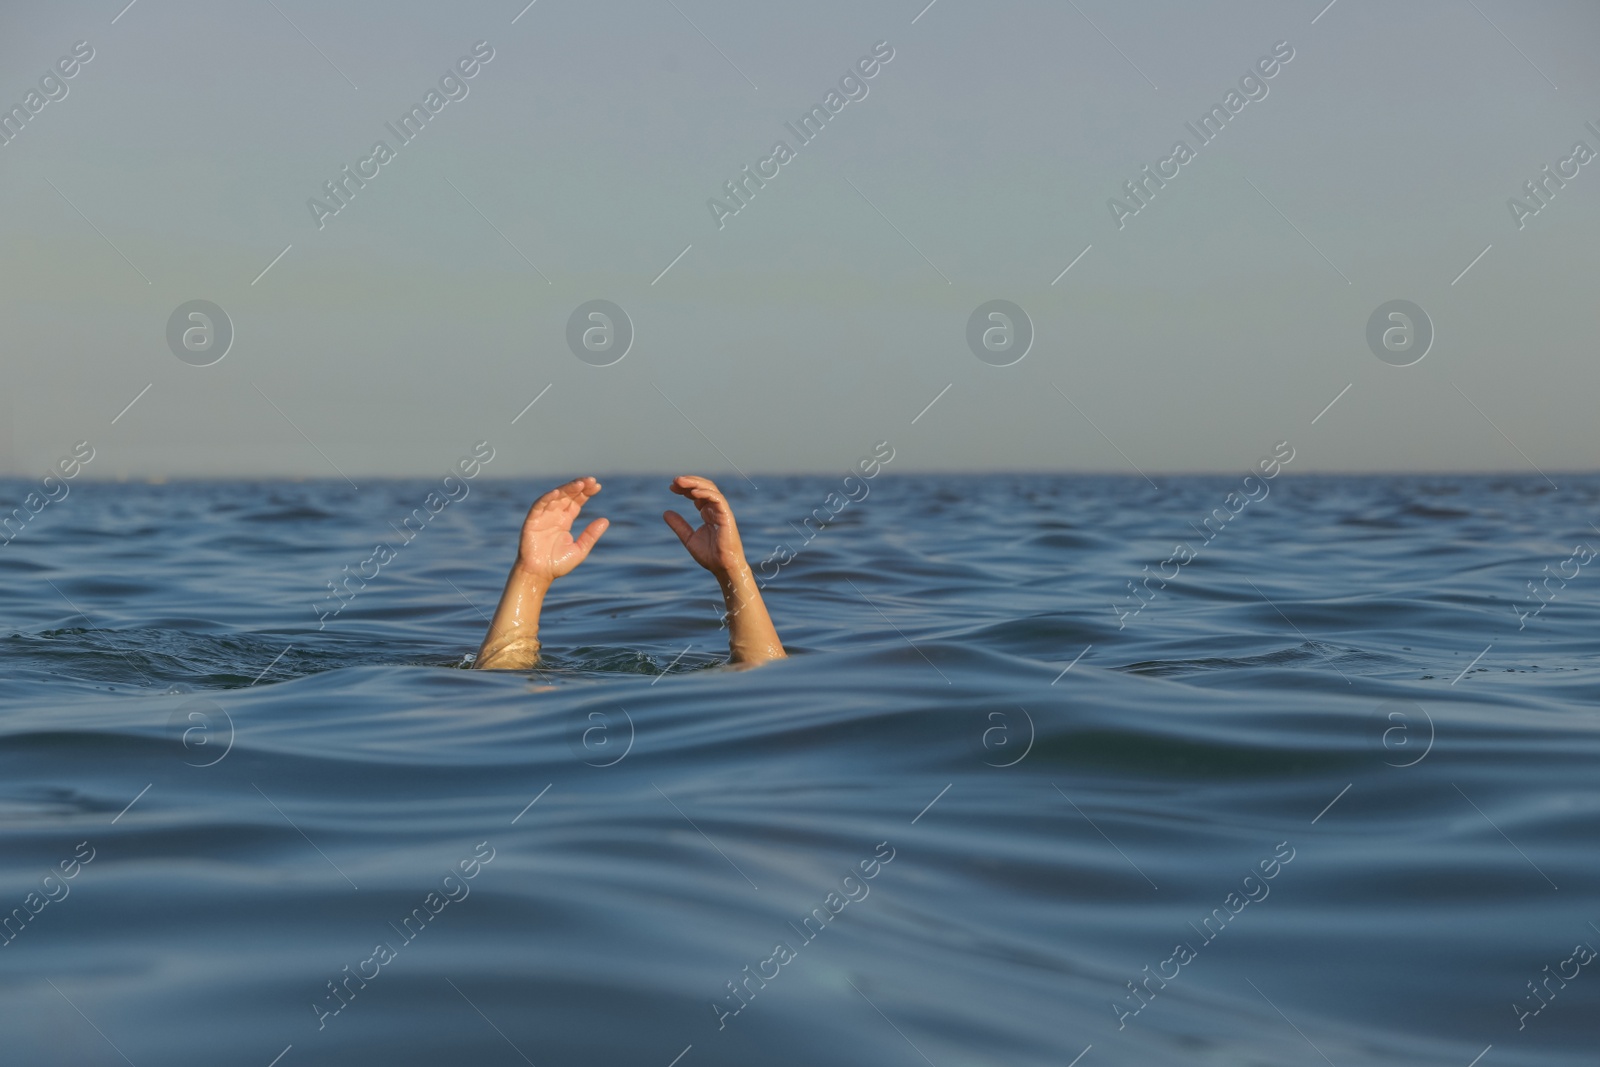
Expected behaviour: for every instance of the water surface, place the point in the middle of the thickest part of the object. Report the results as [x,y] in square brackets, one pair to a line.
[1337,689]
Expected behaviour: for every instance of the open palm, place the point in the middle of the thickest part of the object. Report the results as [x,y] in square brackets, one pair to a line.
[548,550]
[715,545]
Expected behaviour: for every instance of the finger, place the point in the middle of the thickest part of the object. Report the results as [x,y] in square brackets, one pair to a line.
[562,495]
[679,526]
[713,505]
[706,489]
[569,499]
[683,484]
[579,490]
[590,535]
[548,498]
[706,492]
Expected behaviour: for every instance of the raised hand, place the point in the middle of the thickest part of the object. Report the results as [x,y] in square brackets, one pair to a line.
[548,550]
[715,545]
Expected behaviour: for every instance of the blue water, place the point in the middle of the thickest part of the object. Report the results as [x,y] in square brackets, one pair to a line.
[1334,690]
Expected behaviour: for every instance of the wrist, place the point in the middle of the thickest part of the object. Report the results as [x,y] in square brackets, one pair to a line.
[737,580]
[530,577]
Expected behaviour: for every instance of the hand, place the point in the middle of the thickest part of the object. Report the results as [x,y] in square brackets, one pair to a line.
[548,550]
[715,545]
[717,548]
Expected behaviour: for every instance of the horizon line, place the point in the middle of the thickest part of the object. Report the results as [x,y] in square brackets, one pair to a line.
[157,479]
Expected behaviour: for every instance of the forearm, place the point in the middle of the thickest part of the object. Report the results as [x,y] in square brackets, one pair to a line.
[751,636]
[512,642]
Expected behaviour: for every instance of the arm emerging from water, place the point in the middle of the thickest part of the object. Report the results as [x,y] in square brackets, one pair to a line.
[716,547]
[547,551]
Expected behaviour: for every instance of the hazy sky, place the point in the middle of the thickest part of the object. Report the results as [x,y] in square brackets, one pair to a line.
[1218,319]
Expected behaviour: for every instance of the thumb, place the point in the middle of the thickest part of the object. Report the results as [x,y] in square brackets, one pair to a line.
[591,534]
[679,526]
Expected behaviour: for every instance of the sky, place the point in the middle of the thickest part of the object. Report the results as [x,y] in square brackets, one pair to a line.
[1190,328]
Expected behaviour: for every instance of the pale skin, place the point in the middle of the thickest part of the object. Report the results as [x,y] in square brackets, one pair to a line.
[548,551]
